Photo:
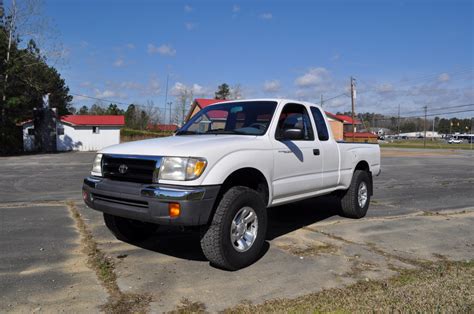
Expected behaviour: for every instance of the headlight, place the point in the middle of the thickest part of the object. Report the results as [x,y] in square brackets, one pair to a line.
[97,166]
[182,168]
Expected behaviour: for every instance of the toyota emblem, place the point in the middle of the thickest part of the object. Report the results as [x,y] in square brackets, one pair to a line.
[123,168]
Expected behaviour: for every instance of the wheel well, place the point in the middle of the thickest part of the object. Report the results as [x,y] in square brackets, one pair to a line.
[249,177]
[363,165]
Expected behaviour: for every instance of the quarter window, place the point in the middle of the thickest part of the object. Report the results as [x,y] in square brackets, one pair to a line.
[323,133]
[95,130]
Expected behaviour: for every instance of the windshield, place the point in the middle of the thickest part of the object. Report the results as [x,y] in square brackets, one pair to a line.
[246,118]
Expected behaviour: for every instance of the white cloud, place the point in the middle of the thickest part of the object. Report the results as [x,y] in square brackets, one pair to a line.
[105,94]
[190,26]
[83,44]
[313,77]
[119,63]
[235,8]
[195,89]
[384,88]
[335,57]
[444,77]
[86,84]
[272,86]
[188,8]
[266,16]
[164,50]
[130,46]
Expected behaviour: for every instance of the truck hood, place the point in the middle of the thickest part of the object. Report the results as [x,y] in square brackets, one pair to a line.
[185,145]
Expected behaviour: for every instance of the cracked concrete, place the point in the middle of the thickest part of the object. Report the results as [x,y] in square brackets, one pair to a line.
[309,247]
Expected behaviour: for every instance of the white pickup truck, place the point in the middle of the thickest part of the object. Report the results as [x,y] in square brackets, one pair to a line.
[223,169]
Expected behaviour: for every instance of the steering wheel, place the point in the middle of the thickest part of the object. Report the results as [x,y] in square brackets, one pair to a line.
[259,126]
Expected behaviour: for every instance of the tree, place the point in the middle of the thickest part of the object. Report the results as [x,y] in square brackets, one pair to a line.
[223,92]
[184,97]
[136,118]
[97,109]
[113,109]
[26,75]
[83,110]
[235,92]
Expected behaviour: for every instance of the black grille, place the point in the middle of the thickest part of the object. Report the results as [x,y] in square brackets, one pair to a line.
[136,169]
[118,200]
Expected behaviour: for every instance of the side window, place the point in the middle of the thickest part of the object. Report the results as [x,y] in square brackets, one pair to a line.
[323,133]
[31,131]
[295,116]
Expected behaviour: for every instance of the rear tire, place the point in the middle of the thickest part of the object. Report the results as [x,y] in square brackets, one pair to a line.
[129,230]
[235,237]
[355,200]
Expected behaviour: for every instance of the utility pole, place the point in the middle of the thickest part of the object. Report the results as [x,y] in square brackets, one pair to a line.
[432,134]
[398,121]
[353,97]
[471,137]
[322,100]
[170,103]
[424,127]
[166,97]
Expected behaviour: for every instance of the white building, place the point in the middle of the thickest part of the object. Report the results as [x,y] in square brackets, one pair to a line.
[80,132]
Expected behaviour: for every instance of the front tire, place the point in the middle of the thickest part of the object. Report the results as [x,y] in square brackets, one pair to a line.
[355,200]
[129,230]
[236,235]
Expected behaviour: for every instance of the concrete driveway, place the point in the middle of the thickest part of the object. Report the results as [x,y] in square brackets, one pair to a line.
[422,210]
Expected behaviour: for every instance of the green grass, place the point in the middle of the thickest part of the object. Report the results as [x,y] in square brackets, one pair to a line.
[429,144]
[434,287]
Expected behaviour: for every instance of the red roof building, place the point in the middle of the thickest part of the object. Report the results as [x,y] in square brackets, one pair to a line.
[201,103]
[110,120]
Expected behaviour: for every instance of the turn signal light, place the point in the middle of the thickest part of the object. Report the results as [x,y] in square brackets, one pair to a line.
[174,209]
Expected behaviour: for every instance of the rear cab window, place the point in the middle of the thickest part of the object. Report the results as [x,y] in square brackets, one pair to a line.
[321,127]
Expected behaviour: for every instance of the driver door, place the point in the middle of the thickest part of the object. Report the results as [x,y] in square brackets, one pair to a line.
[297,163]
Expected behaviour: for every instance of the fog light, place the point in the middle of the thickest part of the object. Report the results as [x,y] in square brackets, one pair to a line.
[174,209]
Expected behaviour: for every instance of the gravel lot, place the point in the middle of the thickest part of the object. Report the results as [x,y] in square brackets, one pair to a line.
[422,210]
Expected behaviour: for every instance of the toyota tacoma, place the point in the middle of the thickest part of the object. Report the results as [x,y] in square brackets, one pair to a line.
[223,169]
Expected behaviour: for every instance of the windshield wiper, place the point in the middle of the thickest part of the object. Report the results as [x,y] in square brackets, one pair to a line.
[185,132]
[220,131]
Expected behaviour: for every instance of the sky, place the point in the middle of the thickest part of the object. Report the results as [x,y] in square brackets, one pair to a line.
[407,53]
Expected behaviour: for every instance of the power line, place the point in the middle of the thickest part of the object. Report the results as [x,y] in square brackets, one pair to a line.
[427,115]
[114,101]
[435,109]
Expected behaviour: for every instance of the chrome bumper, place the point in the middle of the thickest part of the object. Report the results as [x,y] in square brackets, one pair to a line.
[170,194]
[147,202]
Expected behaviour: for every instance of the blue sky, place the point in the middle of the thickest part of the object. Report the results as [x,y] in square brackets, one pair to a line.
[412,53]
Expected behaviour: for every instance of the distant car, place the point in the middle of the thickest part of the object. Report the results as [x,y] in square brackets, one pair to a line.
[454,141]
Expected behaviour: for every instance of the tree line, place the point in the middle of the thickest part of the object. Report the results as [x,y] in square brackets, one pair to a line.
[414,124]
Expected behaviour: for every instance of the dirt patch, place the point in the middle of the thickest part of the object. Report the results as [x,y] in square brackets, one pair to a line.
[104,268]
[188,306]
[312,249]
[436,287]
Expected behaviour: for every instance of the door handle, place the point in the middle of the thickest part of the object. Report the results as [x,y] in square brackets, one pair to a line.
[316,152]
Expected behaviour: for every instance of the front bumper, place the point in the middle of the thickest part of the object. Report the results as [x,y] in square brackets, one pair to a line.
[149,202]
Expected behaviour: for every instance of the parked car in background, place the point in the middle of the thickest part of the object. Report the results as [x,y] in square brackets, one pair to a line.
[454,141]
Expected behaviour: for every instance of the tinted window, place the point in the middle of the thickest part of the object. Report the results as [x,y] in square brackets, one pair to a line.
[323,133]
[294,116]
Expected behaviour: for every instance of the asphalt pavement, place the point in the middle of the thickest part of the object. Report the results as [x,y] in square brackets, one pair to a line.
[423,209]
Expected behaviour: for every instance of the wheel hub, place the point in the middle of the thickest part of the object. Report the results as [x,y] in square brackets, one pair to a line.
[244,229]
[362,194]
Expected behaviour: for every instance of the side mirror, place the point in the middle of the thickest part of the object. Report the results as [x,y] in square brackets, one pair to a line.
[292,134]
